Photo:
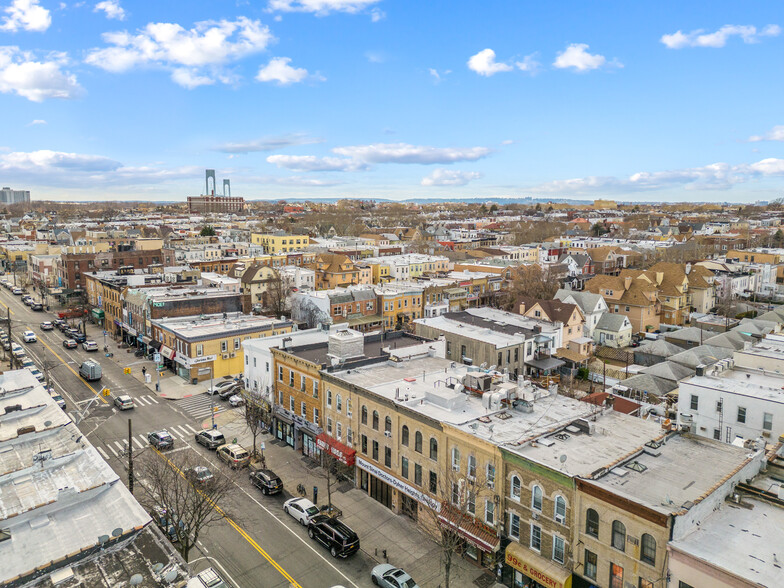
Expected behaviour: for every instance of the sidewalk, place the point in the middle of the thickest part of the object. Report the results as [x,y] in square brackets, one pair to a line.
[379,528]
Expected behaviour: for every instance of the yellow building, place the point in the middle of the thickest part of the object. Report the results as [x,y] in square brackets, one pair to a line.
[399,307]
[280,242]
[197,348]
[753,256]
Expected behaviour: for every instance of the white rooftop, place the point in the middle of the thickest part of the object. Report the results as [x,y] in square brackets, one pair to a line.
[499,339]
[755,384]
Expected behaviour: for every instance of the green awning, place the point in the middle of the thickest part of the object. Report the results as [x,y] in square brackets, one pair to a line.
[98,314]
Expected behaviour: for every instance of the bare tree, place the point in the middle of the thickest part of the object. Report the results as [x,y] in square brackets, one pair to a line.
[460,495]
[255,416]
[332,471]
[306,311]
[529,281]
[184,508]
[276,295]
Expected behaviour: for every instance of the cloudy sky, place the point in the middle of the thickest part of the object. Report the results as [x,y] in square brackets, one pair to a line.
[393,99]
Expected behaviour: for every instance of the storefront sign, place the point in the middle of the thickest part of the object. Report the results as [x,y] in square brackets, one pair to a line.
[553,578]
[399,485]
[336,449]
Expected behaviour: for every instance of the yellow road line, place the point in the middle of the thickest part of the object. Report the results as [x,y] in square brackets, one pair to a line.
[75,373]
[8,307]
[240,530]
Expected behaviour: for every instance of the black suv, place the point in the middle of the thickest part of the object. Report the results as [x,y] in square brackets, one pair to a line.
[333,534]
[267,480]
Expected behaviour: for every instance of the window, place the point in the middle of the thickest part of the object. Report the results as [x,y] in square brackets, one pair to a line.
[643,583]
[558,549]
[315,389]
[514,525]
[449,348]
[291,403]
[417,474]
[404,436]
[375,450]
[455,459]
[404,467]
[388,457]
[388,425]
[349,436]
[364,444]
[648,549]
[224,346]
[302,383]
[536,537]
[616,576]
[329,425]
[338,403]
[433,482]
[375,420]
[329,398]
[592,523]
[682,584]
[471,503]
[717,434]
[590,565]
[514,486]
[418,442]
[489,512]
[280,373]
[303,409]
[236,343]
[741,414]
[315,416]
[364,415]
[433,449]
[619,535]
[490,474]
[560,509]
[348,406]
[767,421]
[471,466]
[291,378]
[695,402]
[339,431]
[536,498]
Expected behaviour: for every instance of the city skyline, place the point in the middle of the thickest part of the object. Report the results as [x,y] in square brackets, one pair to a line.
[315,99]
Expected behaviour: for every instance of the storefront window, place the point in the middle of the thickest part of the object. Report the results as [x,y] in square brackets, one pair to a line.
[616,576]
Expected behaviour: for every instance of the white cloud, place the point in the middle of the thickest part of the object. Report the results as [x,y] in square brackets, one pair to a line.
[775,134]
[449,177]
[321,7]
[194,56]
[715,176]
[405,153]
[439,77]
[278,70]
[484,63]
[375,56]
[508,142]
[311,163]
[26,15]
[37,121]
[377,15]
[21,73]
[576,56]
[111,8]
[46,161]
[719,38]
[268,144]
[528,64]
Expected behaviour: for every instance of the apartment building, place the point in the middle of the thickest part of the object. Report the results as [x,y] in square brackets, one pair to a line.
[280,242]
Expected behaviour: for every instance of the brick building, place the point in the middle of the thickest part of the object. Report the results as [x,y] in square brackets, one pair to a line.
[73,266]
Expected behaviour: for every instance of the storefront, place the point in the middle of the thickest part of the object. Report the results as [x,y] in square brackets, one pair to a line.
[167,353]
[344,454]
[384,487]
[481,541]
[526,569]
[283,426]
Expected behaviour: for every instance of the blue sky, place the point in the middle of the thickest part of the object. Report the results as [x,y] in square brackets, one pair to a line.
[648,101]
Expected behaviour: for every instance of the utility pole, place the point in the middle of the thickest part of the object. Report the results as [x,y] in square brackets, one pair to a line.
[130,456]
[10,341]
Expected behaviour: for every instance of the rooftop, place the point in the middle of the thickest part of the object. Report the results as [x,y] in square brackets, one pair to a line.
[215,325]
[375,345]
[752,383]
[460,323]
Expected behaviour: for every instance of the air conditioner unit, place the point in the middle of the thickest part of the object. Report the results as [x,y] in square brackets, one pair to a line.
[225,356]
[233,355]
[535,516]
[387,434]
[560,519]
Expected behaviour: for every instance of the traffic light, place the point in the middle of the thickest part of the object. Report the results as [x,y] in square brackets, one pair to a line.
[106,392]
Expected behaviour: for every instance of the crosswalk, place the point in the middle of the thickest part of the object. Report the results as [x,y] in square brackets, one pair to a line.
[200,406]
[119,447]
[146,400]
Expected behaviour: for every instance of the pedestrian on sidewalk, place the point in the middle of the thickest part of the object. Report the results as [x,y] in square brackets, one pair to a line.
[144,371]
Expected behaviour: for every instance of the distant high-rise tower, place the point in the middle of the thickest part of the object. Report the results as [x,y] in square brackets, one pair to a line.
[9,196]
[211,202]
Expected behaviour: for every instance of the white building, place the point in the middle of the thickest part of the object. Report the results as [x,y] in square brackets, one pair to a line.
[301,278]
[593,306]
[9,196]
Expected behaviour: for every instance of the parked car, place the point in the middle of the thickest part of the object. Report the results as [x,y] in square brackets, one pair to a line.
[234,454]
[301,509]
[211,438]
[208,578]
[58,322]
[388,576]
[47,326]
[76,335]
[28,300]
[267,481]
[70,344]
[236,400]
[161,518]
[29,337]
[161,439]
[199,475]
[36,306]
[37,373]
[27,363]
[124,402]
[17,350]
[89,345]
[219,387]
[59,400]
[333,534]
[61,324]
[17,291]
[229,391]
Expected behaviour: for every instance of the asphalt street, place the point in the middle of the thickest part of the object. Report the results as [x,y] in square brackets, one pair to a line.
[261,546]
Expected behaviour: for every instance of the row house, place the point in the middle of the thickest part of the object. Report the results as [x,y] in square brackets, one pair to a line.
[638,299]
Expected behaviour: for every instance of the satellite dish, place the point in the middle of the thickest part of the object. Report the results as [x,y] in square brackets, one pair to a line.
[117,532]
[103,539]
[562,458]
[170,576]
[157,567]
[137,579]
[47,423]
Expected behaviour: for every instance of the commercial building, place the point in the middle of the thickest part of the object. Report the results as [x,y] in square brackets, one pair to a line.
[280,242]
[9,196]
[215,204]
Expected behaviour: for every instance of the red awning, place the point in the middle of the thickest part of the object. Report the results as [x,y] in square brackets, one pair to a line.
[167,352]
[343,453]
[469,528]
